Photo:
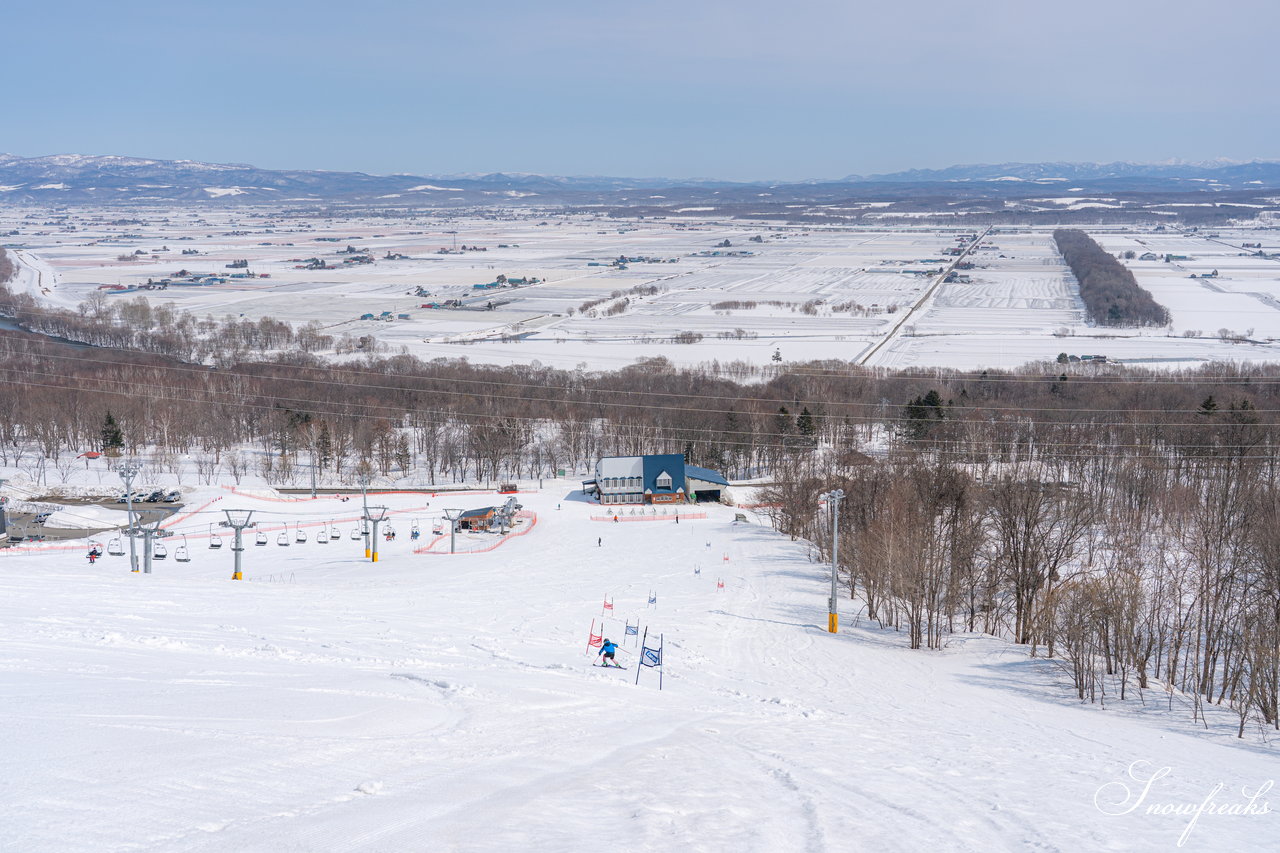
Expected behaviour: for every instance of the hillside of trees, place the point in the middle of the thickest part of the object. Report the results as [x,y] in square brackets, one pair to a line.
[1111,295]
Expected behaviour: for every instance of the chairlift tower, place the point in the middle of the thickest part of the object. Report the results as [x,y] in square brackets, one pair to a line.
[148,527]
[237,520]
[364,501]
[128,471]
[452,515]
[375,515]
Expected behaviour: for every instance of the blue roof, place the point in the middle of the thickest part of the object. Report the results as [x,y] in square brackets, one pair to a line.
[670,463]
[705,474]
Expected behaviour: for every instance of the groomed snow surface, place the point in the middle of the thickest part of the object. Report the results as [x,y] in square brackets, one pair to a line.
[438,702]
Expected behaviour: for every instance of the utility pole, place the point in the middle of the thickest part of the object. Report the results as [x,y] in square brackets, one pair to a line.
[128,471]
[833,499]
[237,520]
[452,515]
[375,515]
[4,522]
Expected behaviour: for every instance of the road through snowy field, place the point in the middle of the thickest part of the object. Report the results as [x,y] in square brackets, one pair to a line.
[436,702]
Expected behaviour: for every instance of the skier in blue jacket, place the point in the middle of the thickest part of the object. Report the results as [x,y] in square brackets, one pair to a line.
[608,649]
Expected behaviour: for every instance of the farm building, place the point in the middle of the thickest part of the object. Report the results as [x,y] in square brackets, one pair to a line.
[655,479]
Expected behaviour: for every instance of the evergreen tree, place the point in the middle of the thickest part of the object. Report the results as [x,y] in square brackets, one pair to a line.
[1208,407]
[112,437]
[404,458]
[782,423]
[921,415]
[805,424]
[324,446]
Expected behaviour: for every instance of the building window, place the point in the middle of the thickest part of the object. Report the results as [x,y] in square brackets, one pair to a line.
[663,481]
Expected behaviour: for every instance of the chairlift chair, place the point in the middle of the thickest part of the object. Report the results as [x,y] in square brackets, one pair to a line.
[301,535]
[260,539]
[182,555]
[158,551]
[355,533]
[115,547]
[215,541]
[414,529]
[322,537]
[283,539]
[334,532]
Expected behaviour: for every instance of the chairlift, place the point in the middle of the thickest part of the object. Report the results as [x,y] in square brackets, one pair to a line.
[334,532]
[215,541]
[322,537]
[182,555]
[158,551]
[115,547]
[283,539]
[414,529]
[355,533]
[260,539]
[301,535]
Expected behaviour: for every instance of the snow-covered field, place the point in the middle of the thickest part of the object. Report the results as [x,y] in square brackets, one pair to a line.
[447,702]
[802,292]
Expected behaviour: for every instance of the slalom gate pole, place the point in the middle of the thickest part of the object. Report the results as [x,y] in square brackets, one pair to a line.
[662,658]
[640,662]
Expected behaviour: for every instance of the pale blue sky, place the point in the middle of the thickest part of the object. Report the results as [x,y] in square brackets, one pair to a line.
[739,90]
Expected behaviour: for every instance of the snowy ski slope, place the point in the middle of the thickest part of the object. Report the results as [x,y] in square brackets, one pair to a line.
[437,702]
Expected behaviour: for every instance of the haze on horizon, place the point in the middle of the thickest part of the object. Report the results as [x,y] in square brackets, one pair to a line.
[740,91]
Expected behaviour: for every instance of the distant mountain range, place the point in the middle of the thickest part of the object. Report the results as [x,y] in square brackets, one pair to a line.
[1226,172]
[116,179]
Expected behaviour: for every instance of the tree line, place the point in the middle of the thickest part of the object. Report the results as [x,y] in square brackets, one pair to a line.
[1111,295]
[1148,576]
[135,324]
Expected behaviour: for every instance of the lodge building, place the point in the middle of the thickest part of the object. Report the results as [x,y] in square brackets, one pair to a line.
[654,479]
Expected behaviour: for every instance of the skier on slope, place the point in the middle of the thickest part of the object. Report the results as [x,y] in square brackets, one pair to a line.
[608,649]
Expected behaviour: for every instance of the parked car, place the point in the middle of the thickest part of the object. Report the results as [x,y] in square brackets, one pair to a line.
[173,497]
[155,497]
[41,518]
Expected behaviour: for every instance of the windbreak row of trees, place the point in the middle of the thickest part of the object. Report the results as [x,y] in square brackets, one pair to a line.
[1153,577]
[1111,295]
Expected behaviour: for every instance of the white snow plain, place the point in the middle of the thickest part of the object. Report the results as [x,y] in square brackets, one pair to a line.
[1020,303]
[438,702]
